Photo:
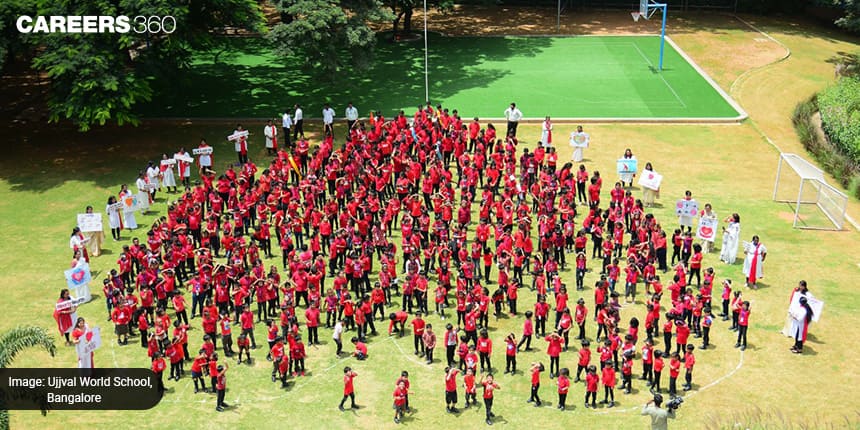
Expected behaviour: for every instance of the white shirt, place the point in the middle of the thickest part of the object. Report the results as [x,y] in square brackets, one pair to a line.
[298,114]
[338,331]
[328,115]
[513,114]
[351,113]
[286,122]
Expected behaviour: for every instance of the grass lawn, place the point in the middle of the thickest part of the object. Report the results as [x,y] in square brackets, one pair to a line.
[50,173]
[566,77]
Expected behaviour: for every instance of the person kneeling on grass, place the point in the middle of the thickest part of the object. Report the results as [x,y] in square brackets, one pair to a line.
[360,349]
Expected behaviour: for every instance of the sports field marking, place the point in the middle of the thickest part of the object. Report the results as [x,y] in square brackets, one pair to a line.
[661,76]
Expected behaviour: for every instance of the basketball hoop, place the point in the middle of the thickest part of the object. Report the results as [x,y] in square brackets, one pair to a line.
[636,16]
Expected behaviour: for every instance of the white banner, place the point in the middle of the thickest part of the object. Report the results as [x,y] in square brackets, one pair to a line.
[686,207]
[627,165]
[116,206]
[816,305]
[90,222]
[579,140]
[69,303]
[86,346]
[650,180]
[168,162]
[205,151]
[149,187]
[707,229]
[183,158]
[237,135]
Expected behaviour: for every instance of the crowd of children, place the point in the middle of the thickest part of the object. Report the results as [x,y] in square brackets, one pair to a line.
[333,211]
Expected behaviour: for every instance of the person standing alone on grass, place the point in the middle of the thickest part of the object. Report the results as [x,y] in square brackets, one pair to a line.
[348,389]
[513,116]
[286,124]
[299,122]
[328,120]
[221,387]
[659,417]
[351,115]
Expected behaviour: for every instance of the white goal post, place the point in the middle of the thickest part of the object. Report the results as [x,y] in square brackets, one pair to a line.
[812,189]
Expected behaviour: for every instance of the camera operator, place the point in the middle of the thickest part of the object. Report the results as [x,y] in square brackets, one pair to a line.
[659,416]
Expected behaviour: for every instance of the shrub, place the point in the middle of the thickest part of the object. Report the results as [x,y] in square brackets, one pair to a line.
[832,158]
[839,105]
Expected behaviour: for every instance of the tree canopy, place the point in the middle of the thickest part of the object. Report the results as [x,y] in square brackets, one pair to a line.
[99,77]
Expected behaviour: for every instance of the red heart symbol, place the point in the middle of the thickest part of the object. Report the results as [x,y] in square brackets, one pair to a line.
[706,232]
[89,336]
[78,276]
[650,176]
[680,204]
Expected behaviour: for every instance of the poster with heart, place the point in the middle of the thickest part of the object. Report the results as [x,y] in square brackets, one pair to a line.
[78,280]
[129,203]
[707,229]
[627,166]
[651,180]
[687,208]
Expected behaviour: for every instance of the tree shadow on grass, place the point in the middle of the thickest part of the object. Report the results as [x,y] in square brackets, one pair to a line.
[250,81]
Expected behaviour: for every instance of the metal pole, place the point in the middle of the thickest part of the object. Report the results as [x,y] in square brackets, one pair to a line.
[778,169]
[426,67]
[663,34]
[558,18]
[797,208]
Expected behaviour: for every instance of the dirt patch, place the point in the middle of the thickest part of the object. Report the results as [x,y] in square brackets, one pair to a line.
[786,216]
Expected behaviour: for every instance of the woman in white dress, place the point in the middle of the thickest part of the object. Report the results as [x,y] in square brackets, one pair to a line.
[546,133]
[128,215]
[627,178]
[731,233]
[113,218]
[579,141]
[168,179]
[754,256]
[142,193]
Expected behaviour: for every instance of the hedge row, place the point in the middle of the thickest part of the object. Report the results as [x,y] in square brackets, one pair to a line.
[839,105]
[845,168]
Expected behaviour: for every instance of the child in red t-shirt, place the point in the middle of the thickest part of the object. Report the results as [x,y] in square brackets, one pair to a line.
[563,386]
[608,380]
[591,381]
[536,369]
[400,393]
[689,362]
[348,388]
[471,388]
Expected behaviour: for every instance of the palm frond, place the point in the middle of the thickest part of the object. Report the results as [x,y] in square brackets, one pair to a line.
[21,338]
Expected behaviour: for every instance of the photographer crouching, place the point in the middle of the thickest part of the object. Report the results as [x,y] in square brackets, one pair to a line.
[659,416]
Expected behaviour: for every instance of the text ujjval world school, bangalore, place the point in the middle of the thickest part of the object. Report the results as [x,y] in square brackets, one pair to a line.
[66,385]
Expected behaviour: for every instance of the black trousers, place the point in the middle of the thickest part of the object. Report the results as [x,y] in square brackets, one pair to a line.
[488,406]
[286,138]
[512,128]
[299,129]
[534,394]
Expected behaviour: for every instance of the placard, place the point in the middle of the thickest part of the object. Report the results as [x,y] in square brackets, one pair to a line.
[168,162]
[203,151]
[90,222]
[78,276]
[115,206]
[237,135]
[129,203]
[627,165]
[707,228]
[815,304]
[650,179]
[686,207]
[149,187]
[184,158]
[66,304]
[89,342]
[579,140]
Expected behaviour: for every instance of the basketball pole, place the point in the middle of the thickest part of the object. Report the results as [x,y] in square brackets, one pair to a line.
[663,6]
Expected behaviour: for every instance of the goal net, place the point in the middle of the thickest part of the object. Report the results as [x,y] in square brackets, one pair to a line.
[814,203]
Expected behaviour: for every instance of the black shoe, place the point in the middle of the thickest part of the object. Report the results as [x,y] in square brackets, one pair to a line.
[341,408]
[489,423]
[219,409]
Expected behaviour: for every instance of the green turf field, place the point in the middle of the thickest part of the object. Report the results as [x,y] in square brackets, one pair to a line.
[567,77]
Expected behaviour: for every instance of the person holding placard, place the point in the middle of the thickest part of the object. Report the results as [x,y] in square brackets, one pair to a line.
[128,210]
[64,314]
[143,200]
[183,166]
[204,161]
[707,216]
[754,256]
[686,211]
[77,243]
[627,177]
[93,234]
[546,133]
[731,234]
[114,219]
[168,179]
[240,144]
[579,141]
[152,178]
[650,182]
[81,337]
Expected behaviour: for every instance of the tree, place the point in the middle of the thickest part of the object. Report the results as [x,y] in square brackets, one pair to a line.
[407,7]
[851,20]
[100,77]
[14,342]
[328,34]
